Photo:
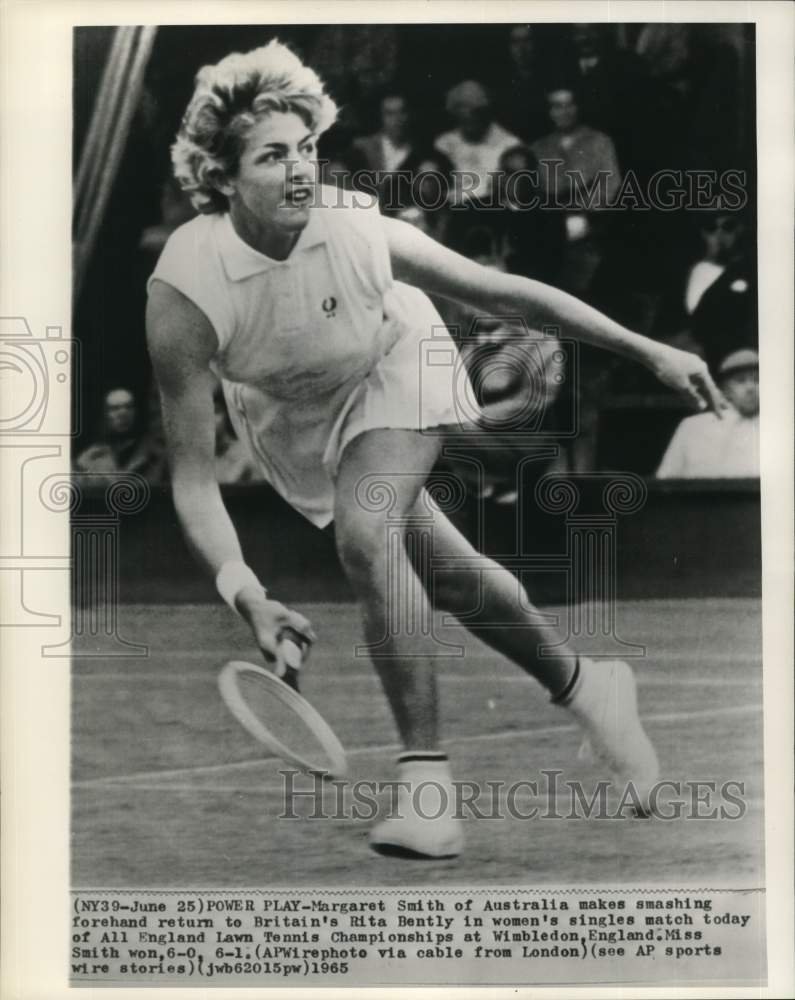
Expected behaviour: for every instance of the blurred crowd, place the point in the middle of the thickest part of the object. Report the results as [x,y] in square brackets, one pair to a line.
[614,162]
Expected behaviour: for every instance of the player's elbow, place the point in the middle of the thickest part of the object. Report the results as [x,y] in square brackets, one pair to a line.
[191,483]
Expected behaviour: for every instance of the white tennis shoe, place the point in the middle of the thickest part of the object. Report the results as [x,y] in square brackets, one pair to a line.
[422,823]
[415,836]
[605,703]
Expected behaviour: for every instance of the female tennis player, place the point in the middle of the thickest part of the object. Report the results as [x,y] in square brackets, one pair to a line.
[289,293]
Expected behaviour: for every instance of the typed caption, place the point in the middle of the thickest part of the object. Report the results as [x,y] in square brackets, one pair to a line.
[412,937]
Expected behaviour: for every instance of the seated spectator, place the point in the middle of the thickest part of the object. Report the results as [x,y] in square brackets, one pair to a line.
[124,448]
[612,87]
[233,464]
[721,291]
[710,303]
[338,158]
[175,208]
[356,61]
[573,160]
[429,205]
[708,447]
[519,84]
[695,78]
[390,149]
[474,146]
[533,237]
[719,234]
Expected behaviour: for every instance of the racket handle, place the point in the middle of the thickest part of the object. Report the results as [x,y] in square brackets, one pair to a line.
[292,648]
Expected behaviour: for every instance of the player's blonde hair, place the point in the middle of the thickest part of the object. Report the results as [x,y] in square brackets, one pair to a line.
[229,98]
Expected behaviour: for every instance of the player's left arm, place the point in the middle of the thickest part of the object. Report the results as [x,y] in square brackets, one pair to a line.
[419,260]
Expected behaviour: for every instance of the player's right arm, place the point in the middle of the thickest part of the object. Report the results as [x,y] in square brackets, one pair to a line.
[181,343]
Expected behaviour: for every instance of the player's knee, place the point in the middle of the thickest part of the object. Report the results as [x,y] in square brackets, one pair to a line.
[463,590]
[361,546]
[447,590]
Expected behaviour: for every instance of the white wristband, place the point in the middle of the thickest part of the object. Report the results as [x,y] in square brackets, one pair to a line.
[232,577]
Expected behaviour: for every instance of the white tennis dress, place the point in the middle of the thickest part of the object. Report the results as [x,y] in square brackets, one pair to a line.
[317,348]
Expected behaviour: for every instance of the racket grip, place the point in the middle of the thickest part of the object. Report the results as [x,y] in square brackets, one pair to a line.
[293,646]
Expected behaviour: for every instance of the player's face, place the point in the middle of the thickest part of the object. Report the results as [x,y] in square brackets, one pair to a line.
[741,388]
[274,184]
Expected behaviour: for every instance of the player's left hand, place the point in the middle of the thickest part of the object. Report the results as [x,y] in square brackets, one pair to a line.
[688,375]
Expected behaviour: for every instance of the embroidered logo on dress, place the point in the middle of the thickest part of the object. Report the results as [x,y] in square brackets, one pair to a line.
[329,306]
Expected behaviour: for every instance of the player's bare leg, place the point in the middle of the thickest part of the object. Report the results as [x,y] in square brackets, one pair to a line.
[601,695]
[494,603]
[380,477]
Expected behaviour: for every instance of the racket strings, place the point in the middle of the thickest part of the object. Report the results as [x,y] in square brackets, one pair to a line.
[285,724]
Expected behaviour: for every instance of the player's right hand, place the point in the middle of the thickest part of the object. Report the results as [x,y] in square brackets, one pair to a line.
[688,375]
[268,619]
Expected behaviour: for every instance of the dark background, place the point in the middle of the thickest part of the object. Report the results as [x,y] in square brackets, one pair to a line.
[712,127]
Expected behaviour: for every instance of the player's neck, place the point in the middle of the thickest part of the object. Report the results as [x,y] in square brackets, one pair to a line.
[269,240]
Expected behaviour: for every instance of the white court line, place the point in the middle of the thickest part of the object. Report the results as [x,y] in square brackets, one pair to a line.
[129,779]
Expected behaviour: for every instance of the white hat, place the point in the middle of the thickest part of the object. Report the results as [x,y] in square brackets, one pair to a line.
[469,94]
[737,360]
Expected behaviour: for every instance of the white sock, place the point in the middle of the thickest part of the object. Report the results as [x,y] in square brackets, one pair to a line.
[431,769]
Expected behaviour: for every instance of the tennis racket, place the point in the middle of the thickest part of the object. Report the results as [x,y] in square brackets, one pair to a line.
[280,719]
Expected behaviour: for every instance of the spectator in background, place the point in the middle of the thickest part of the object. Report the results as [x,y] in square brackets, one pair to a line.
[356,61]
[390,147]
[721,291]
[694,107]
[533,238]
[475,145]
[429,209]
[612,88]
[707,447]
[175,209]
[710,304]
[579,175]
[527,239]
[519,87]
[233,464]
[664,138]
[572,158]
[123,447]
[338,158]
[395,157]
